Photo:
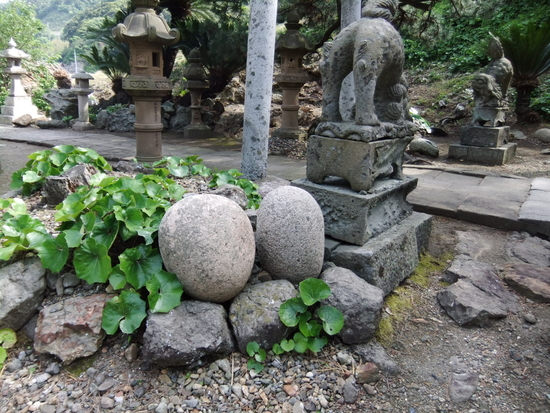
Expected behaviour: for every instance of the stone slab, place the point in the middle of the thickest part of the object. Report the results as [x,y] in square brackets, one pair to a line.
[485,136]
[488,156]
[531,281]
[355,217]
[443,203]
[540,184]
[536,214]
[360,163]
[388,259]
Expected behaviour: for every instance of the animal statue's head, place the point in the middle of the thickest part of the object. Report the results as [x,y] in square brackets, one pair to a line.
[495,48]
[486,87]
[384,9]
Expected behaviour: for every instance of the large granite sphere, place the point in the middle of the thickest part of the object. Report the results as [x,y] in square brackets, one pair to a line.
[290,234]
[208,242]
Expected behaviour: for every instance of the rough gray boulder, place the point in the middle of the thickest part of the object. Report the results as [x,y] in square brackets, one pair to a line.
[531,281]
[57,188]
[375,353]
[542,135]
[254,313]
[360,302]
[478,294]
[23,121]
[423,146]
[71,329]
[522,247]
[290,234]
[208,242]
[191,334]
[181,119]
[234,193]
[269,183]
[63,102]
[22,287]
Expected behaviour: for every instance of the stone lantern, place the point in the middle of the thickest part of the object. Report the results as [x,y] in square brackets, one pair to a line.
[196,83]
[82,90]
[292,46]
[18,103]
[146,33]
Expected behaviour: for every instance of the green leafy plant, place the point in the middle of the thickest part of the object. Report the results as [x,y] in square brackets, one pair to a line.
[67,119]
[7,340]
[258,356]
[310,318]
[233,177]
[116,107]
[54,162]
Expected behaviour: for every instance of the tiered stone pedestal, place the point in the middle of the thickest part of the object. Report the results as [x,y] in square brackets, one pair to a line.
[487,145]
[374,232]
[15,107]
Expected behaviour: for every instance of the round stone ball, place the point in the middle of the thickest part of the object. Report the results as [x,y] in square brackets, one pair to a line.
[542,135]
[290,234]
[208,242]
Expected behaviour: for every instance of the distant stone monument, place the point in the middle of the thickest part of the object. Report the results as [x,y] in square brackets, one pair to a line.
[146,32]
[486,139]
[354,167]
[196,83]
[18,103]
[82,90]
[292,46]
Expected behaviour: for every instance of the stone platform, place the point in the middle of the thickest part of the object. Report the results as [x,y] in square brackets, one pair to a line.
[487,145]
[357,217]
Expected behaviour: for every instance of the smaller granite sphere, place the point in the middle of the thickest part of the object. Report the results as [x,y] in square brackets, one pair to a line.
[290,233]
[208,242]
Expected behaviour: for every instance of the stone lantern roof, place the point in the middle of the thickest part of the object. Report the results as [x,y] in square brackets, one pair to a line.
[12,53]
[144,25]
[293,40]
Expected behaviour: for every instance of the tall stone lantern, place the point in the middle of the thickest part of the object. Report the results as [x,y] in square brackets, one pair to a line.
[196,83]
[146,33]
[82,90]
[292,46]
[18,103]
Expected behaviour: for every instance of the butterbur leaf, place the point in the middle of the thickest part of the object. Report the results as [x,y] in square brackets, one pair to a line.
[313,290]
[140,264]
[126,310]
[290,310]
[73,237]
[105,232]
[117,278]
[8,338]
[91,262]
[301,343]
[17,207]
[64,148]
[3,355]
[310,328]
[277,349]
[252,348]
[332,318]
[254,365]
[16,180]
[53,252]
[31,177]
[165,292]
[7,251]
[287,345]
[315,344]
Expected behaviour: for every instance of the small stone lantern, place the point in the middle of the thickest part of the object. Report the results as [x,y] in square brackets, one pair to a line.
[146,33]
[292,46]
[82,90]
[18,103]
[196,83]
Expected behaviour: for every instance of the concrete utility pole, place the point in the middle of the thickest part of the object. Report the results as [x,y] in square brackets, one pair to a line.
[259,81]
[351,11]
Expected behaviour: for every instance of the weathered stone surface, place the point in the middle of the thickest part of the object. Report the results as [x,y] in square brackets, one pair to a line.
[57,188]
[63,102]
[359,163]
[190,335]
[290,234]
[477,154]
[375,353]
[23,121]
[485,136]
[181,119]
[254,313]
[71,328]
[542,135]
[423,146]
[522,247]
[51,124]
[234,193]
[357,217]
[360,303]
[483,277]
[269,183]
[462,387]
[367,373]
[386,260]
[208,242]
[22,287]
[531,281]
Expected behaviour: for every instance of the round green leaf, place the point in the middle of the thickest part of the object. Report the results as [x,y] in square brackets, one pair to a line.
[140,264]
[310,328]
[333,319]
[91,262]
[8,338]
[315,344]
[290,310]
[252,348]
[126,310]
[53,252]
[277,349]
[165,292]
[313,290]
[287,345]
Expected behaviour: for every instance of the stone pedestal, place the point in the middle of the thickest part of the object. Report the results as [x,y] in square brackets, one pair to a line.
[197,84]
[290,107]
[354,217]
[487,145]
[360,163]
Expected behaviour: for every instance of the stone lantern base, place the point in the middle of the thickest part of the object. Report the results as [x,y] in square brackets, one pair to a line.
[286,133]
[15,107]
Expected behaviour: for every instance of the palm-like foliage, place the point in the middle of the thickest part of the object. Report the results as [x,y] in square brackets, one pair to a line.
[528,48]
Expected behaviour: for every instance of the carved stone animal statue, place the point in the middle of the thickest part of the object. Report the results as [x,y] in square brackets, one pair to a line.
[372,48]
